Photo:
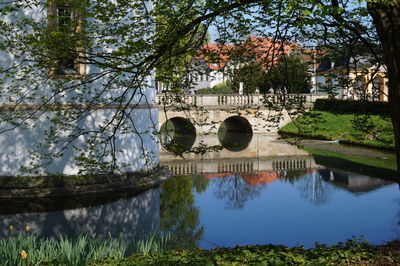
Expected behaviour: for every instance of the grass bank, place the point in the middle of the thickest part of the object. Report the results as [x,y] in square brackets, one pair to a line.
[352,252]
[29,249]
[366,130]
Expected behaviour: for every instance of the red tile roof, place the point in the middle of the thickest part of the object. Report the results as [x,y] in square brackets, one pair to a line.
[252,178]
[264,50]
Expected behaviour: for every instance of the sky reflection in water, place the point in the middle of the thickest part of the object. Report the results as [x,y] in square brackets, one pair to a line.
[296,211]
[228,197]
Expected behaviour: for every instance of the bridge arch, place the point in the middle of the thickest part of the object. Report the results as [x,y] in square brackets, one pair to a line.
[177,135]
[235,133]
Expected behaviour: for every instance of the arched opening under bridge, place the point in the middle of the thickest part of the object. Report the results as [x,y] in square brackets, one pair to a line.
[177,135]
[235,133]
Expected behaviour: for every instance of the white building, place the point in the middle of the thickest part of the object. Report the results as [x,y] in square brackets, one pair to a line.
[206,75]
[77,114]
[216,63]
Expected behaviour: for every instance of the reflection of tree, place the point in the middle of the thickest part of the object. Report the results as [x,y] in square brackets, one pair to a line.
[291,176]
[313,188]
[178,215]
[200,183]
[235,191]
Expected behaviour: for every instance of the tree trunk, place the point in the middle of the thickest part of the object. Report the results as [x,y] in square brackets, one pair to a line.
[387,22]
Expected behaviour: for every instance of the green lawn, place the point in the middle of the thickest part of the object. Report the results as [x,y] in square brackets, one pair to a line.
[372,131]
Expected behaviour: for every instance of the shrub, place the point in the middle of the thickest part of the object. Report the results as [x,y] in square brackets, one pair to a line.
[352,106]
[221,88]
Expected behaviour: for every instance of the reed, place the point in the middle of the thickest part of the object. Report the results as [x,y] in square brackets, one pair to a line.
[30,249]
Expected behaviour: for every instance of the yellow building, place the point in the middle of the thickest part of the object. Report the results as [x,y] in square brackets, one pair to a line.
[353,79]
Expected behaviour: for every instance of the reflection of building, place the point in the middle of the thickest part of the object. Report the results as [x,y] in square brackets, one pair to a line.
[132,217]
[353,78]
[355,183]
[252,178]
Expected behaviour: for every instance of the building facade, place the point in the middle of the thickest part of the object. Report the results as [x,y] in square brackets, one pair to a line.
[353,78]
[67,105]
[216,63]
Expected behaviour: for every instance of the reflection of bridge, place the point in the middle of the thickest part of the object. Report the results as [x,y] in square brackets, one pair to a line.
[262,153]
[206,113]
[240,165]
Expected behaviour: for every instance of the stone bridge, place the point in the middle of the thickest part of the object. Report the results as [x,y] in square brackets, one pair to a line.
[208,114]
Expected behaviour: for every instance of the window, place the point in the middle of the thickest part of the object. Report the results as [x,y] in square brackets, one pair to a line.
[65,22]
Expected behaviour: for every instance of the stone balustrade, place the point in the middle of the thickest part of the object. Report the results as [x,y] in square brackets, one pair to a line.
[291,165]
[233,99]
[239,165]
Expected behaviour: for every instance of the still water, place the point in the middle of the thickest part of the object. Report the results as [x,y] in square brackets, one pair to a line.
[299,210]
[266,192]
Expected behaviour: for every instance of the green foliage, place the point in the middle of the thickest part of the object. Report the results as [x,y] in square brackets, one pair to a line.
[352,106]
[172,67]
[351,252]
[372,131]
[178,215]
[221,88]
[291,73]
[64,251]
[29,249]
[124,42]
[252,75]
[153,243]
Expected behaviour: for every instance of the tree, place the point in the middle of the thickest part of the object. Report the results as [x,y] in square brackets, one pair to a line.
[386,16]
[252,75]
[290,73]
[123,47]
[172,69]
[340,23]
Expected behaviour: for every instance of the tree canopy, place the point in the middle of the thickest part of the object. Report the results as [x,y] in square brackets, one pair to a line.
[124,42]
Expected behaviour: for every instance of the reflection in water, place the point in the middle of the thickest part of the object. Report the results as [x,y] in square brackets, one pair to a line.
[274,207]
[234,189]
[235,133]
[286,199]
[353,182]
[178,144]
[133,217]
[235,141]
[179,216]
[177,135]
[313,188]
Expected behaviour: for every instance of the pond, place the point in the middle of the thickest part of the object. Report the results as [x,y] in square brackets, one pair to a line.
[266,192]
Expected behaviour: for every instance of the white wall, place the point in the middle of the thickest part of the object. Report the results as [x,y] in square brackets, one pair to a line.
[140,151]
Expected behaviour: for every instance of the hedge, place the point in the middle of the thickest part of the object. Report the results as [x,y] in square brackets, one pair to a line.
[352,106]
[221,88]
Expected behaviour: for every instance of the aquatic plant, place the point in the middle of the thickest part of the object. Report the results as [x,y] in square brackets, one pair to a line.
[153,243]
[29,249]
